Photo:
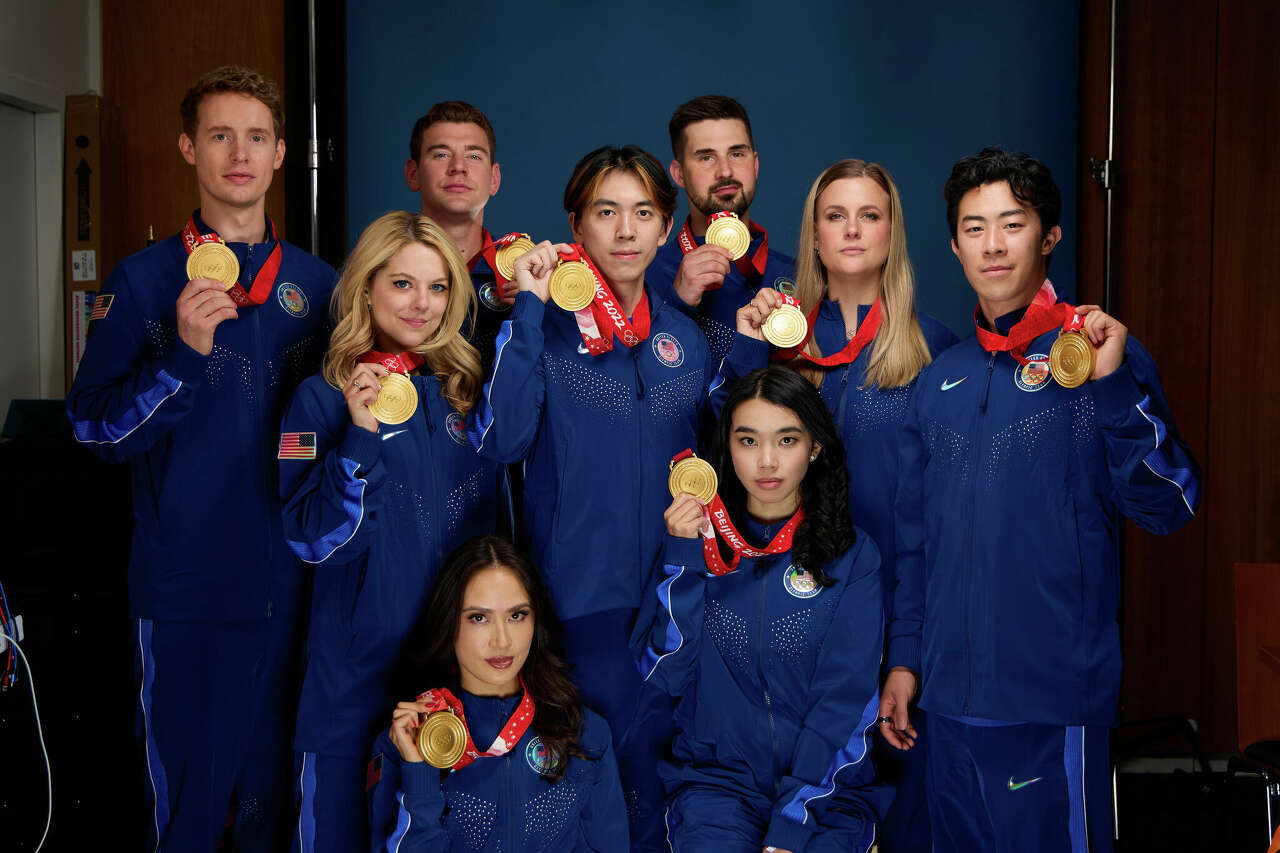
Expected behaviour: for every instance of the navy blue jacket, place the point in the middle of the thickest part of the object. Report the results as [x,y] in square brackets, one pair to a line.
[375,514]
[777,682]
[1010,483]
[717,313]
[597,434]
[491,311]
[869,419]
[200,431]
[499,804]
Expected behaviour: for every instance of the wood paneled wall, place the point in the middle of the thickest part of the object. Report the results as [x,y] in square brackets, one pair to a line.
[1196,262]
[150,57]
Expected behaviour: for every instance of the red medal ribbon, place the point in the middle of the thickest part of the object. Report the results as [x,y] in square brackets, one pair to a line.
[720,523]
[405,362]
[263,282]
[1044,313]
[752,269]
[866,334]
[443,699]
[485,240]
[605,312]
[489,251]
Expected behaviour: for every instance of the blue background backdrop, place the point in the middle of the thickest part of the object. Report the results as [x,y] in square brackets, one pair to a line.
[913,86]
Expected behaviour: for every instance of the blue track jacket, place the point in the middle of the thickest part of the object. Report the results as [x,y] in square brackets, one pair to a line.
[869,419]
[1008,580]
[777,682]
[201,431]
[498,804]
[596,434]
[717,313]
[375,514]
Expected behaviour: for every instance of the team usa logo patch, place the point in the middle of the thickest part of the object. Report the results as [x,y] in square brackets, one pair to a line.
[297,445]
[782,284]
[1033,375]
[539,757]
[456,424]
[293,300]
[668,350]
[101,306]
[799,583]
[491,297]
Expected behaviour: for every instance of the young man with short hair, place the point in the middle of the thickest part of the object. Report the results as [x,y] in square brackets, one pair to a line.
[715,160]
[453,166]
[1008,582]
[187,380]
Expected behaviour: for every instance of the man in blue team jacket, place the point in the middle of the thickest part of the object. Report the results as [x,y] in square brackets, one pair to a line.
[1007,598]
[187,381]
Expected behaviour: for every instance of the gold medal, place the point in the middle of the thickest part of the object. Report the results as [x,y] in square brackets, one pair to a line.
[397,401]
[786,326]
[505,257]
[693,476]
[572,285]
[1071,359]
[442,739]
[215,261]
[731,233]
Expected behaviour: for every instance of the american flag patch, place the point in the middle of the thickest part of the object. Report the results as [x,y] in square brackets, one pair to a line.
[373,773]
[297,445]
[101,306]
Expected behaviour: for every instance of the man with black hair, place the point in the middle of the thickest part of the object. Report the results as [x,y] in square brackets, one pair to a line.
[1016,456]
[715,160]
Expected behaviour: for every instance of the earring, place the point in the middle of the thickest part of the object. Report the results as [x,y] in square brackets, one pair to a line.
[813,457]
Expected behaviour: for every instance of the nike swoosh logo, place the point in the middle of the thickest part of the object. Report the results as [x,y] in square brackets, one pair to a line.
[582,350]
[387,435]
[1013,786]
[947,384]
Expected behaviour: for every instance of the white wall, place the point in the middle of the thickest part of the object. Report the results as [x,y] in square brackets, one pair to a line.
[49,49]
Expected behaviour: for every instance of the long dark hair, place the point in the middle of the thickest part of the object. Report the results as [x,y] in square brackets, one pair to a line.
[826,531]
[429,659]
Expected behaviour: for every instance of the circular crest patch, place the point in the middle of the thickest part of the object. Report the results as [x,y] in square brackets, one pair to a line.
[539,757]
[456,424]
[668,350]
[1033,375]
[292,299]
[782,284]
[800,583]
[491,297]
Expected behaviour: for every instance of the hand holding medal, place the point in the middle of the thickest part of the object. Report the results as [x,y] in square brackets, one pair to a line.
[1105,337]
[534,268]
[361,391]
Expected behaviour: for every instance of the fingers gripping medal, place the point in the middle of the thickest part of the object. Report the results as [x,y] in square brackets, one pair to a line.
[214,260]
[1071,358]
[693,476]
[727,230]
[397,401]
[442,739]
[573,287]
[505,258]
[786,326]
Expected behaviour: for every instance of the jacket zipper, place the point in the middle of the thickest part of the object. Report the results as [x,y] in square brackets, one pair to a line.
[975,455]
[259,380]
[511,807]
[435,479]
[768,700]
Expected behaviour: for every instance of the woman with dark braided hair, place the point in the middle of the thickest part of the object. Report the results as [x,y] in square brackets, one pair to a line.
[768,630]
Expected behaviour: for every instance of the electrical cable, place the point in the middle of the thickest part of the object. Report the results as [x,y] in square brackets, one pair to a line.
[48,774]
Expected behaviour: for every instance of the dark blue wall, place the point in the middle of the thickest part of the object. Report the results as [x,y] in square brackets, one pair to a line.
[913,86]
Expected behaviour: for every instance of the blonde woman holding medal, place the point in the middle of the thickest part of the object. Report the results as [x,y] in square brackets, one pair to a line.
[498,753]
[378,484]
[596,400]
[867,342]
[770,641]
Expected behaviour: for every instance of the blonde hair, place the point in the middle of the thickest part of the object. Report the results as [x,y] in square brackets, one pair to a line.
[899,350]
[453,360]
